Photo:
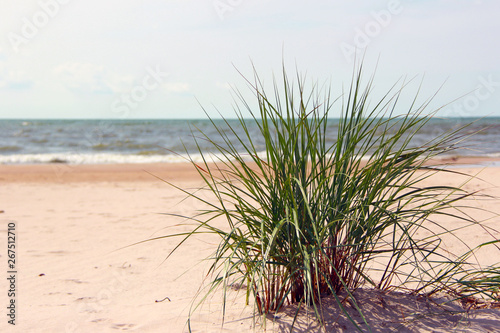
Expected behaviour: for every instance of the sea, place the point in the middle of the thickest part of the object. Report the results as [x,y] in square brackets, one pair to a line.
[30,141]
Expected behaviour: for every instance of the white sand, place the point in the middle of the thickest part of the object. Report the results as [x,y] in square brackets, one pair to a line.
[75,276]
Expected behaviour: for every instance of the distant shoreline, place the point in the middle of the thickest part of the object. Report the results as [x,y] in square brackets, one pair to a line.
[60,172]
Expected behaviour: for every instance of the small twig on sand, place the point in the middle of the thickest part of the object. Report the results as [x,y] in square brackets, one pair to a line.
[158,301]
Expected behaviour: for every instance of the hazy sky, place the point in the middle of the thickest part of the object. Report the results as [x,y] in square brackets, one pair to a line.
[165,58]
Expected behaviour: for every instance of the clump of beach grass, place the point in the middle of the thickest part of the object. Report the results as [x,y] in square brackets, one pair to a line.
[314,216]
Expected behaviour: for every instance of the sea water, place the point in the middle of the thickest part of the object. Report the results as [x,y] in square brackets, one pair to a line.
[148,141]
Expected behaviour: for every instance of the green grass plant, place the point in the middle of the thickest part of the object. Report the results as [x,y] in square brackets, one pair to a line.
[315,216]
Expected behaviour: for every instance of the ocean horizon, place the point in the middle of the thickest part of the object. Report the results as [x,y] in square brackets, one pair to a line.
[105,141]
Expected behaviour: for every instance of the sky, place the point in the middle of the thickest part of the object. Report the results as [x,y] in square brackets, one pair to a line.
[180,58]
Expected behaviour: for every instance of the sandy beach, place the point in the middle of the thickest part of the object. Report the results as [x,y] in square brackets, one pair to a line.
[76,270]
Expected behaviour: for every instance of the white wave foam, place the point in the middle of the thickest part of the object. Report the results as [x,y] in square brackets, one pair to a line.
[72,158]
[112,158]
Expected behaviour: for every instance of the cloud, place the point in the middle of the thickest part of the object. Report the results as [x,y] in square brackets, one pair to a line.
[176,87]
[223,85]
[90,78]
[15,80]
